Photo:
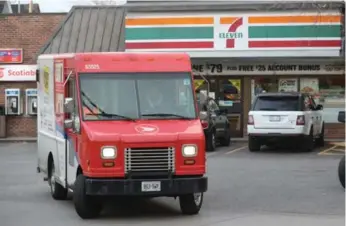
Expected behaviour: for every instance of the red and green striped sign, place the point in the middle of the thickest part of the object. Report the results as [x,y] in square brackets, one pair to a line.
[294,31]
[236,32]
[170,33]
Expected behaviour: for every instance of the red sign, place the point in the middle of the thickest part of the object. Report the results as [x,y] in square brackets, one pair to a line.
[11,56]
[18,72]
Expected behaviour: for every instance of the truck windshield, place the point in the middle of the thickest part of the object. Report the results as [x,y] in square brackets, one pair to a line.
[131,96]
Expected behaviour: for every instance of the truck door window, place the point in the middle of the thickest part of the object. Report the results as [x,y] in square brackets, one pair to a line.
[72,92]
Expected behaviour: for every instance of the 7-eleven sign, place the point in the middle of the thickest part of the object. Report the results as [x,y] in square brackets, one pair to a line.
[231,33]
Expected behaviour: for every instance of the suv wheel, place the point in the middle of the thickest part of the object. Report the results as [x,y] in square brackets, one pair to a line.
[226,140]
[308,142]
[320,139]
[341,171]
[211,141]
[254,144]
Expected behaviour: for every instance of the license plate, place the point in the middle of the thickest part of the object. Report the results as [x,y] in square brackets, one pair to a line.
[274,118]
[151,186]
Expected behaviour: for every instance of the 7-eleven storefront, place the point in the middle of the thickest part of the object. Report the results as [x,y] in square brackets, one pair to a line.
[251,53]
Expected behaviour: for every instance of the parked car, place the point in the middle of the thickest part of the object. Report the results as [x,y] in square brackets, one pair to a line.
[283,116]
[341,167]
[216,124]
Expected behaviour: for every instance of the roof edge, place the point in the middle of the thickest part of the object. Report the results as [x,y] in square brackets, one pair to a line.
[161,6]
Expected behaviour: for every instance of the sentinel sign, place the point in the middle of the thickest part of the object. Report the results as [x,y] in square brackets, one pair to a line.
[18,72]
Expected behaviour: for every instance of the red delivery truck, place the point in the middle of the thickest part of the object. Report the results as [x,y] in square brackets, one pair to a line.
[120,124]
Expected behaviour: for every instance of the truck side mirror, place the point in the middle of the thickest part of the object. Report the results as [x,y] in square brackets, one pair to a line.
[68,105]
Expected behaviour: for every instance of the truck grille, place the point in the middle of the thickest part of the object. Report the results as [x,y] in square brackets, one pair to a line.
[149,160]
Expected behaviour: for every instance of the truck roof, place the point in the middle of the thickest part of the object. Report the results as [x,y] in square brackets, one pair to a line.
[107,62]
[117,54]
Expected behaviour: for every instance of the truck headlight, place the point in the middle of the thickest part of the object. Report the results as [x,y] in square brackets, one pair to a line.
[189,150]
[108,152]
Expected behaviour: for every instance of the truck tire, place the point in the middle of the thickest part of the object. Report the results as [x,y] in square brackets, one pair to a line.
[341,171]
[226,140]
[87,207]
[320,139]
[191,204]
[308,142]
[254,144]
[211,141]
[57,191]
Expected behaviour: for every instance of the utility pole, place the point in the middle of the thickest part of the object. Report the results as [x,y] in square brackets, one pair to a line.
[18,6]
[30,6]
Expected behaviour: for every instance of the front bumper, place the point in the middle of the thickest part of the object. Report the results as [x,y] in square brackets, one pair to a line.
[133,187]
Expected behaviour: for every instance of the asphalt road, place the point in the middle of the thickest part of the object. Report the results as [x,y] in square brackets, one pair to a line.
[268,188]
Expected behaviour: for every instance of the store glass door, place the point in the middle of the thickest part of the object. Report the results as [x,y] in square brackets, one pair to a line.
[230,97]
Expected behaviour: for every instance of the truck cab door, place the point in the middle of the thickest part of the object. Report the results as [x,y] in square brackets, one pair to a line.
[72,134]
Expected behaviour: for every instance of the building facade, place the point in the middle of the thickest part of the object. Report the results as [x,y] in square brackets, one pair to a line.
[21,37]
[253,50]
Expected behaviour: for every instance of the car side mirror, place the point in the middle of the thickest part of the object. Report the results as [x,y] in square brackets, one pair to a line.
[203,115]
[68,105]
[341,116]
[319,107]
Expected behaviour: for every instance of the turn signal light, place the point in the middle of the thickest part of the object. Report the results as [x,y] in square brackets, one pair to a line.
[300,120]
[108,164]
[250,120]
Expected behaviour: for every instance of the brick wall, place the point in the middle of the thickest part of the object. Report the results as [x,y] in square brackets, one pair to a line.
[30,32]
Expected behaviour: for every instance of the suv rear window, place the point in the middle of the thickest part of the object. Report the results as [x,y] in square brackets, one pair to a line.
[279,103]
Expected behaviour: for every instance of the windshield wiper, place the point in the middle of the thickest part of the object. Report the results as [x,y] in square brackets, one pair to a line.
[167,114]
[110,115]
[268,109]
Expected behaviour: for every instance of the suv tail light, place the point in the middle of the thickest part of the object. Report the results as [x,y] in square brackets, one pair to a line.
[300,120]
[250,120]
[205,124]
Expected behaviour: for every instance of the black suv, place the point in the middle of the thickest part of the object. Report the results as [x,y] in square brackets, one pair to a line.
[217,127]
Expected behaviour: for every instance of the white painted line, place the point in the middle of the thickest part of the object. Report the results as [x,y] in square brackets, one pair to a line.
[326,150]
[235,150]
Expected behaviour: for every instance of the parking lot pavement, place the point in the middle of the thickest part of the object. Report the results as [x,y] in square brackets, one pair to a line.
[264,188]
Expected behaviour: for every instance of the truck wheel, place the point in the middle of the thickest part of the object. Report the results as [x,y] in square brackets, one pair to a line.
[57,190]
[254,144]
[211,141]
[226,140]
[86,206]
[191,204]
[341,171]
[320,139]
[308,142]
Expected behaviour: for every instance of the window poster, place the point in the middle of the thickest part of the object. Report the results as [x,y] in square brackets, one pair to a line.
[310,85]
[288,85]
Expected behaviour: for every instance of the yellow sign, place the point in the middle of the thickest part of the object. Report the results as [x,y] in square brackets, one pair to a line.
[198,83]
[236,83]
[46,79]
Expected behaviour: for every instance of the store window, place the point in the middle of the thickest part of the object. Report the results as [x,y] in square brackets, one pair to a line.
[331,96]
[329,92]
